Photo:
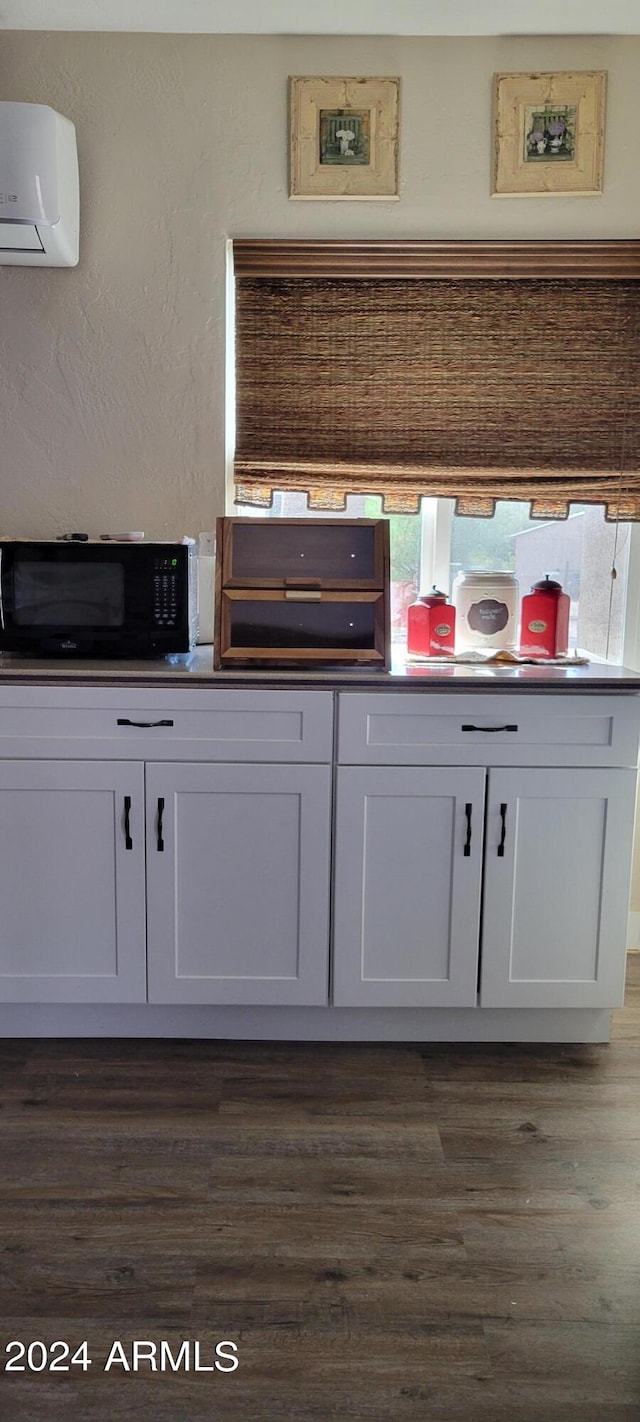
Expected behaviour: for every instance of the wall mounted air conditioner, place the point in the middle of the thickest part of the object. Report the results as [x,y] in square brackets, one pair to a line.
[39,204]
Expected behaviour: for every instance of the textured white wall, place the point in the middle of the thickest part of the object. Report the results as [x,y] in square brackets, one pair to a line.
[112,374]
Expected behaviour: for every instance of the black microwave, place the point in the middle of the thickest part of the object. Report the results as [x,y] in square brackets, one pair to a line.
[94,598]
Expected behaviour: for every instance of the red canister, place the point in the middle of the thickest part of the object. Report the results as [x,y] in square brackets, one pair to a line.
[431,625]
[544,622]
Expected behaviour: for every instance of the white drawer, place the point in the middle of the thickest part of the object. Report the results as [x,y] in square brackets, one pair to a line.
[425,728]
[203,724]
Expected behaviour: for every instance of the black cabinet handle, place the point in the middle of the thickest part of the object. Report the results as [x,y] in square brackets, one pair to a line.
[489,730]
[128,842]
[467,845]
[503,817]
[160,840]
[146,725]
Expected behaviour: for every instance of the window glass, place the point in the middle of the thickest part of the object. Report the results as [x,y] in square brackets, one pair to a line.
[578,552]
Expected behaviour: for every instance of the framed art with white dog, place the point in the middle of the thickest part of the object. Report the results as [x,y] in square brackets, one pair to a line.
[344,138]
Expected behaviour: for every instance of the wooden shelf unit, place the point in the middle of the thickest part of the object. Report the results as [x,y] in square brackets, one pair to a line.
[302,591]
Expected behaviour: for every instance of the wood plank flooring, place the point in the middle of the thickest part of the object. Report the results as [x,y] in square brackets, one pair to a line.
[388,1233]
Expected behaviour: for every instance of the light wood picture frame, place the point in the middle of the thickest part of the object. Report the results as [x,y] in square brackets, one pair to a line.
[549,134]
[344,135]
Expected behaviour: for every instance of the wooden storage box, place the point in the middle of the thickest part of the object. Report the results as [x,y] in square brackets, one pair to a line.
[302,591]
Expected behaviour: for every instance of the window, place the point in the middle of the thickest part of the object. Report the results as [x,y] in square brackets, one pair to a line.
[464,376]
[432,546]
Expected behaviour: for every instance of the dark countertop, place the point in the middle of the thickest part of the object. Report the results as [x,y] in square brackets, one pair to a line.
[195,669]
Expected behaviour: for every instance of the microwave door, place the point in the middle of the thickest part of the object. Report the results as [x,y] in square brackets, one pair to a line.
[65,594]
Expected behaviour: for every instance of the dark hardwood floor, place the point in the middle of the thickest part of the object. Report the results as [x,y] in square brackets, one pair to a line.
[388,1233]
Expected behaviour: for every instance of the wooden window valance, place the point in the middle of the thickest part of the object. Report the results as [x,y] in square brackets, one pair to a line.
[470,370]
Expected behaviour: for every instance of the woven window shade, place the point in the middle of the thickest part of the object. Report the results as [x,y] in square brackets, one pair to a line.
[485,383]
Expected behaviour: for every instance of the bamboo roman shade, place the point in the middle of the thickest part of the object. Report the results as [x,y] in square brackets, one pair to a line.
[478,371]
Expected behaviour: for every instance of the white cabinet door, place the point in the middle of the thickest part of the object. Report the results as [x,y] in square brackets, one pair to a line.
[407,897]
[238,883]
[557,872]
[72,893]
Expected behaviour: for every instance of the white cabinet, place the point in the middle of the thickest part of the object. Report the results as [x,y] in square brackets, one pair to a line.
[230,902]
[72,896]
[540,904]
[556,887]
[235,908]
[408,927]
[174,848]
[408,868]
[238,883]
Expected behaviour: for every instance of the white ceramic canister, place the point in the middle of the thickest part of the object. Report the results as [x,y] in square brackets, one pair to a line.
[486,611]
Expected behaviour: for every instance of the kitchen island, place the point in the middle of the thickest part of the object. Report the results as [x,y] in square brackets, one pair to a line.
[430,853]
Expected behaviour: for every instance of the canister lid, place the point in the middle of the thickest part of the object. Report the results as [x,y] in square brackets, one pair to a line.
[484,575]
[432,597]
[548,585]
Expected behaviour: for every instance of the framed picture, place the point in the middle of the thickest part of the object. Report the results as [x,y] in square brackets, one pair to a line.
[549,134]
[344,138]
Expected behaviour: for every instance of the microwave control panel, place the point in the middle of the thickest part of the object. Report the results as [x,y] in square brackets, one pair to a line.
[166,609]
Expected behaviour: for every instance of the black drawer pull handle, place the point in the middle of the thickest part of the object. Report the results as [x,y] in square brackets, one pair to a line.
[146,725]
[160,840]
[503,817]
[128,842]
[467,845]
[489,729]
